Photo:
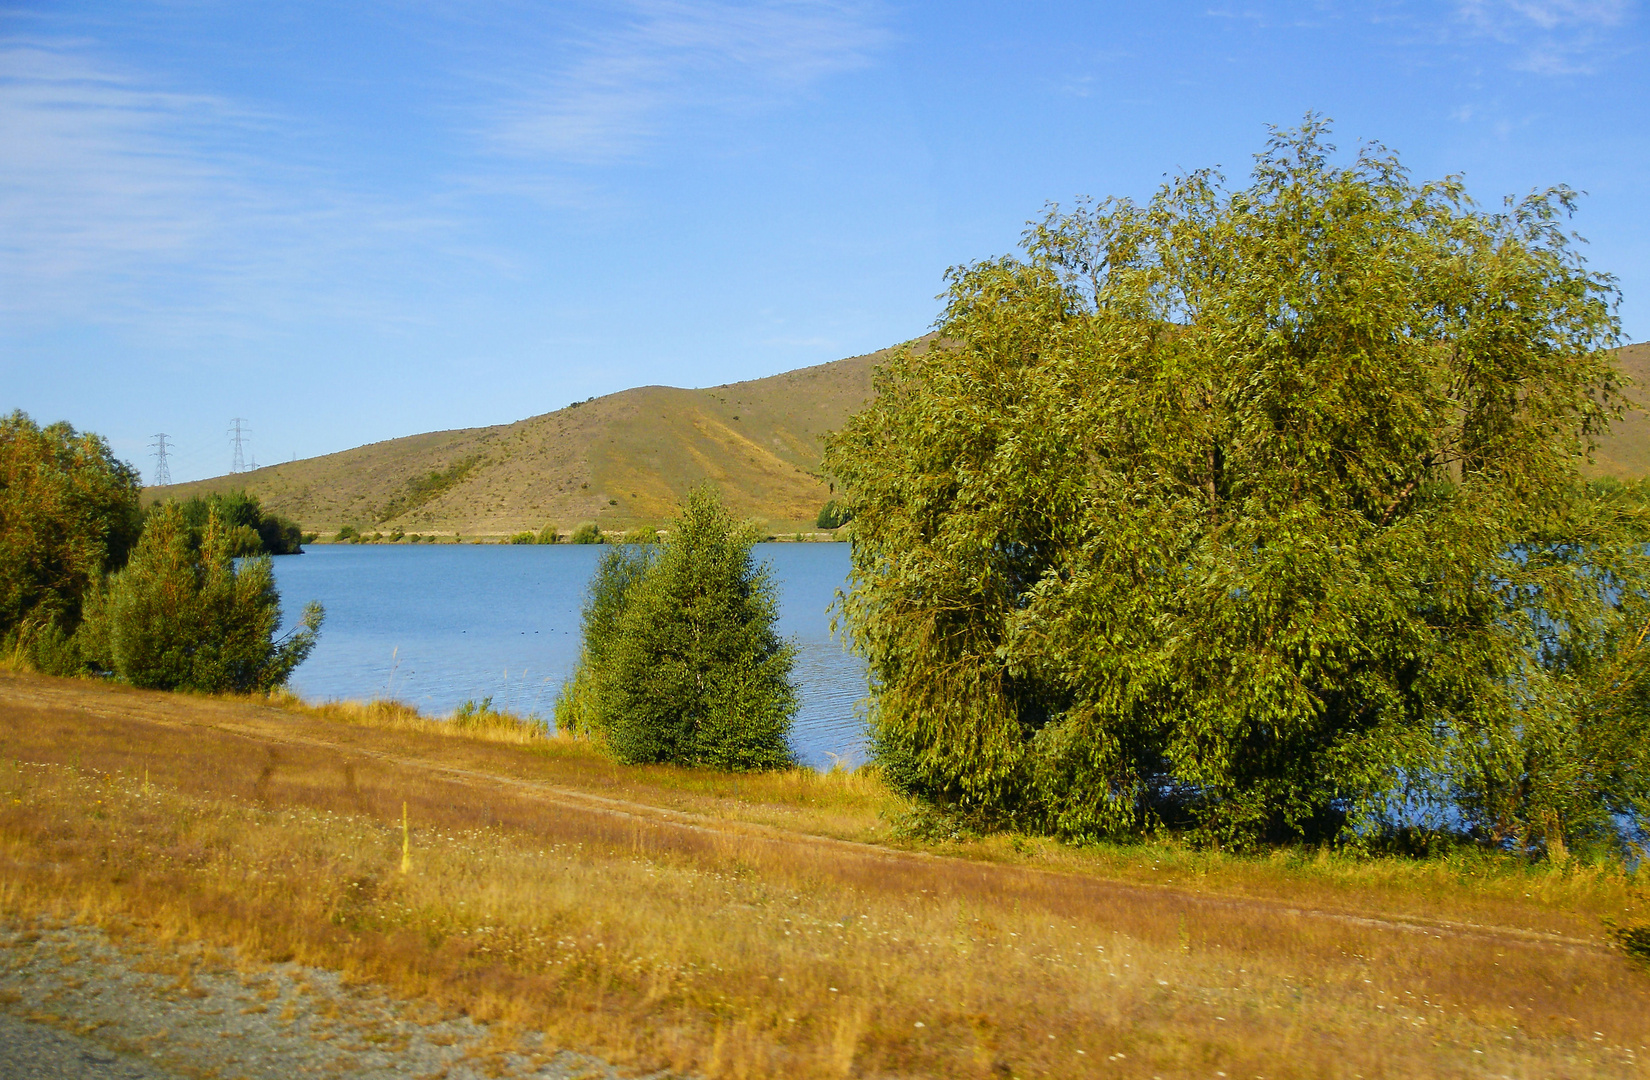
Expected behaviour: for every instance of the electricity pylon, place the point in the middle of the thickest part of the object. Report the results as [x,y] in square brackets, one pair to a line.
[163,474]
[235,432]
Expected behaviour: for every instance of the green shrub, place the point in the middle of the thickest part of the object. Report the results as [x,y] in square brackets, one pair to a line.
[581,709]
[549,535]
[347,534]
[641,534]
[693,672]
[524,538]
[185,617]
[1634,940]
[587,533]
[281,536]
[251,530]
[834,515]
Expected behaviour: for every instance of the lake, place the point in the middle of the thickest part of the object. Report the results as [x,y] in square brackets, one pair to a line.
[435,625]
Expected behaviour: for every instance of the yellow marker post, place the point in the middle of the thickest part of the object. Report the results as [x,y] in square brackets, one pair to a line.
[406,840]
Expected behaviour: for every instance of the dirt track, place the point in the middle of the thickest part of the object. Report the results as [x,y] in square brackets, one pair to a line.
[265,726]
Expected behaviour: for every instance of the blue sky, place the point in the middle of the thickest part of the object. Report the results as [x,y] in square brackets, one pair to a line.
[350,222]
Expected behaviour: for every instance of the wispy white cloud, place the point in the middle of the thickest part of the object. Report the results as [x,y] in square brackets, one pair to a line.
[1552,37]
[119,198]
[101,172]
[631,83]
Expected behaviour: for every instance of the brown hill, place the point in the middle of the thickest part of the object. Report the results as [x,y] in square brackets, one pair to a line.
[1625,452]
[628,458]
[622,460]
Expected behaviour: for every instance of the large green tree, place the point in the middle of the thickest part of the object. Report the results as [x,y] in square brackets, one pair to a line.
[1258,509]
[68,514]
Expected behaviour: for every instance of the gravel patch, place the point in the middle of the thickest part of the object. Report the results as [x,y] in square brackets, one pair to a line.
[82,1006]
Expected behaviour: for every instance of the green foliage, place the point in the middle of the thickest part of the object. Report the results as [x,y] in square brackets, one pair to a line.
[1258,511]
[588,533]
[524,538]
[68,514]
[250,530]
[641,534]
[583,707]
[347,534]
[1610,489]
[183,616]
[423,489]
[682,663]
[834,514]
[1634,940]
[549,535]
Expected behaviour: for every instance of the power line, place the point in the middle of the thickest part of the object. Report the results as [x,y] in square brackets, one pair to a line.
[163,474]
[235,432]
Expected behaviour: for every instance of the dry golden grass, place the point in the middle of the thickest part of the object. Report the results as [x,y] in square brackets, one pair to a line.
[665,918]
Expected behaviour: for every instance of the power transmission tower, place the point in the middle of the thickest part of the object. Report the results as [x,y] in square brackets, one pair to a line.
[163,474]
[240,436]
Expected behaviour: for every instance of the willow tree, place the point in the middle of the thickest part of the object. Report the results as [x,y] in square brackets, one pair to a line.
[68,515]
[1258,509]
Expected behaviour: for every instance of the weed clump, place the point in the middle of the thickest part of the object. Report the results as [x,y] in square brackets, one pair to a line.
[477,717]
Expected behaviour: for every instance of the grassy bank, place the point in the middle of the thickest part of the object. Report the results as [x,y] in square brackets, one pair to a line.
[778,925]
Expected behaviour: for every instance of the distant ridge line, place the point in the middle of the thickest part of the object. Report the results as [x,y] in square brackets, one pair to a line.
[626,459]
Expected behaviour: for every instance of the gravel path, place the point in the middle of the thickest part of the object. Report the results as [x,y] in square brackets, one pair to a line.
[75,1005]
[30,1051]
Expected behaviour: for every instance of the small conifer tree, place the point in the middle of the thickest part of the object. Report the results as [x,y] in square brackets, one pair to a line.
[682,662]
[180,616]
[580,710]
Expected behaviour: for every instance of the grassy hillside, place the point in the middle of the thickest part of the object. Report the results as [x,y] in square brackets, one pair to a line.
[1625,453]
[621,460]
[626,459]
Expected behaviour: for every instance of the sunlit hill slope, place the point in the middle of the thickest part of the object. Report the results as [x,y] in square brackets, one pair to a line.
[626,460]
[621,460]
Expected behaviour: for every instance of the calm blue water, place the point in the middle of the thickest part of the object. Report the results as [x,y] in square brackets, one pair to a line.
[436,624]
